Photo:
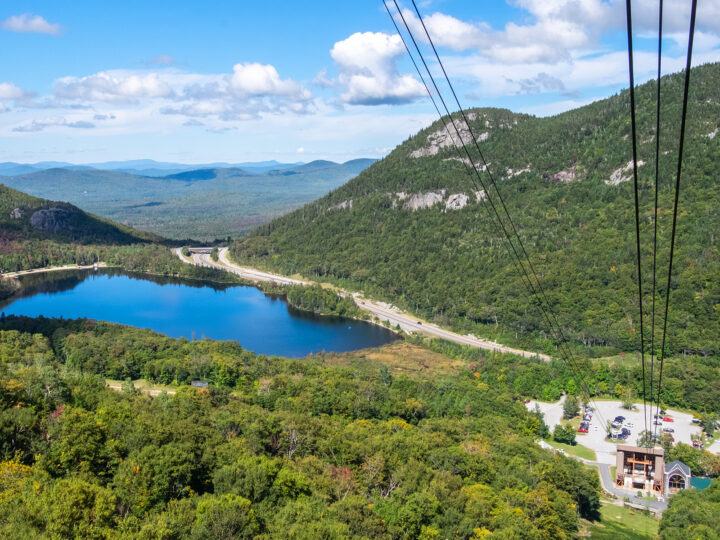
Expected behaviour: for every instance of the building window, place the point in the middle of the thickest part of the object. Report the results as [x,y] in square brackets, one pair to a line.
[676,482]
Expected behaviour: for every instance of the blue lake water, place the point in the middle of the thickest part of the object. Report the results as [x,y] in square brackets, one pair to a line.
[261,323]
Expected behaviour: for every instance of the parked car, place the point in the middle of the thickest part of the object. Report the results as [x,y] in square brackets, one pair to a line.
[697,444]
[667,419]
[663,411]
[658,422]
[695,420]
[626,431]
[620,419]
[583,429]
[616,424]
[668,430]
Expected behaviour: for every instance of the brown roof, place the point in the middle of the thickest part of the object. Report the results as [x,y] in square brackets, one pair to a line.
[652,451]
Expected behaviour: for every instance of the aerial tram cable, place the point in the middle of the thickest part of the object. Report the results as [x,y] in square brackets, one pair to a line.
[686,91]
[487,169]
[628,11]
[474,168]
[655,215]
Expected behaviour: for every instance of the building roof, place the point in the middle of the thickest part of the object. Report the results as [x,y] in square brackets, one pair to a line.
[669,467]
[651,451]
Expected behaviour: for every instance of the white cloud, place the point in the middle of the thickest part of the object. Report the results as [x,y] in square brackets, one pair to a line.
[254,79]
[10,91]
[300,150]
[112,86]
[368,69]
[33,24]
[39,125]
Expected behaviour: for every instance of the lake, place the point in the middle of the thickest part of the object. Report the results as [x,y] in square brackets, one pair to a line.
[262,323]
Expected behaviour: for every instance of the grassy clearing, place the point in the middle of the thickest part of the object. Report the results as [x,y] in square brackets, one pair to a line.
[577,450]
[623,522]
[400,358]
[144,386]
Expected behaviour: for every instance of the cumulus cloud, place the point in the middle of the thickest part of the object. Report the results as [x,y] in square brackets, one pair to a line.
[30,24]
[39,125]
[254,79]
[10,91]
[251,90]
[112,86]
[368,70]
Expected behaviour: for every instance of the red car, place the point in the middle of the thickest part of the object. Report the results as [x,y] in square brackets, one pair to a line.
[667,419]
[582,429]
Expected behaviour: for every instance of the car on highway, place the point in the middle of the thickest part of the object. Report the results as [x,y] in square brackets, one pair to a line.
[419,322]
[667,419]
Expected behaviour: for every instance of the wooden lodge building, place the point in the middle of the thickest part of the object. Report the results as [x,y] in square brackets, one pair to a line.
[645,469]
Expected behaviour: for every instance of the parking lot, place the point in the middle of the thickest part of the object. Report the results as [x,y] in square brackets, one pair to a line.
[608,410]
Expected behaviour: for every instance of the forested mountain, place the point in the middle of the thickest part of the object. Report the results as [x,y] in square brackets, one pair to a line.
[203,203]
[24,217]
[414,230]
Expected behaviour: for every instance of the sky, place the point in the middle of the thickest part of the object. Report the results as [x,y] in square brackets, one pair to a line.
[237,81]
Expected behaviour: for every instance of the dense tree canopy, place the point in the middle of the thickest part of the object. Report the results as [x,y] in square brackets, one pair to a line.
[274,446]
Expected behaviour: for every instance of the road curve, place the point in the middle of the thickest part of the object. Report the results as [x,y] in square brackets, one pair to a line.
[379,310]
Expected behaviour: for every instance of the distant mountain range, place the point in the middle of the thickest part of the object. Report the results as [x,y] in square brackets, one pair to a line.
[143,167]
[208,202]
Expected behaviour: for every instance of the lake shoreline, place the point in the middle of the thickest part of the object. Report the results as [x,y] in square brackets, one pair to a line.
[260,320]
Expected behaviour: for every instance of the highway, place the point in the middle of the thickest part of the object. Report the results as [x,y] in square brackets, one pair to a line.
[379,310]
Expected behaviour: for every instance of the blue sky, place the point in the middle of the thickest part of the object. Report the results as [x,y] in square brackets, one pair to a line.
[196,82]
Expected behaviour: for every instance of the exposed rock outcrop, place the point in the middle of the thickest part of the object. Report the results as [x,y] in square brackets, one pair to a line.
[17,213]
[342,205]
[52,220]
[623,174]
[456,201]
[566,176]
[418,201]
[440,139]
[509,173]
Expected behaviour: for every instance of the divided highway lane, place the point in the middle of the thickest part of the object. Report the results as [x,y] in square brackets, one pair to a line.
[381,311]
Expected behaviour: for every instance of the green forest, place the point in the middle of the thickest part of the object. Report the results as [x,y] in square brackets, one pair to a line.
[556,176]
[273,447]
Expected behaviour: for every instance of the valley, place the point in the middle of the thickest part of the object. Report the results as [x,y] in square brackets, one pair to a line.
[203,204]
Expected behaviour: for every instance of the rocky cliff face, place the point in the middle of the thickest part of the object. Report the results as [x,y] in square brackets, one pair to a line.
[52,220]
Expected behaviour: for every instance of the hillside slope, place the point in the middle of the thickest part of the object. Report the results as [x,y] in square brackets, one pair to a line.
[24,217]
[412,228]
